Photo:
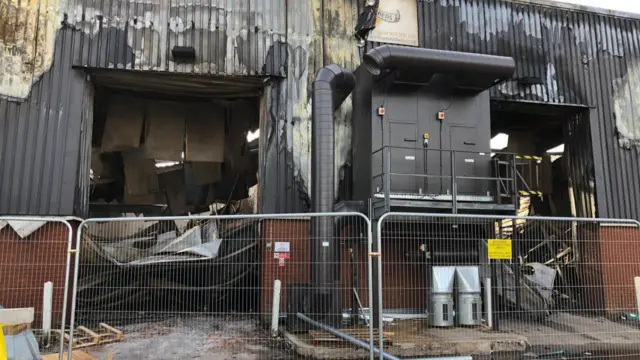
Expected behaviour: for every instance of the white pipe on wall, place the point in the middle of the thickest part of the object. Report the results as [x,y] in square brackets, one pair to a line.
[275,310]
[47,308]
[487,301]
[636,282]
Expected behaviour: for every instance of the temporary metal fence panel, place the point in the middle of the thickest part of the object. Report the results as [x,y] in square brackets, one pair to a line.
[471,285]
[35,262]
[225,286]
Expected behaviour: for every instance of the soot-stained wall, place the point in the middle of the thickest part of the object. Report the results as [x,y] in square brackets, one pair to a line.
[286,41]
[563,56]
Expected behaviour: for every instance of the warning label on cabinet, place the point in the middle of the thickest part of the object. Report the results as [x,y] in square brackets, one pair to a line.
[499,249]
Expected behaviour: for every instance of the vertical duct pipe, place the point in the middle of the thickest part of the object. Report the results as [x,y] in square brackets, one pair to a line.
[331,87]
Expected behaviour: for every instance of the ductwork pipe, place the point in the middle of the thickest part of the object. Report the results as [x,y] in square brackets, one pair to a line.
[438,61]
[330,89]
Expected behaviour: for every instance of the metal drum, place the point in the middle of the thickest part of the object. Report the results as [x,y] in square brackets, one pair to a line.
[469,312]
[441,310]
[441,300]
[469,296]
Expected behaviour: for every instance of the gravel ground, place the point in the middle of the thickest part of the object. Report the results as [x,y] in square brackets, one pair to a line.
[205,338]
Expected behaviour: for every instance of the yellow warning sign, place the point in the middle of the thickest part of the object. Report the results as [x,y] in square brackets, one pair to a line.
[499,249]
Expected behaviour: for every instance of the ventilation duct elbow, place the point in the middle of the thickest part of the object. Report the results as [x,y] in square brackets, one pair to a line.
[330,89]
[482,71]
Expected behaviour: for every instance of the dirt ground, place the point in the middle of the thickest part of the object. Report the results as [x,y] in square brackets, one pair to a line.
[562,335]
[204,338]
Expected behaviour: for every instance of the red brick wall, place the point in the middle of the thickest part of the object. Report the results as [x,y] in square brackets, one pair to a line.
[590,267]
[295,269]
[404,284]
[26,264]
[620,255]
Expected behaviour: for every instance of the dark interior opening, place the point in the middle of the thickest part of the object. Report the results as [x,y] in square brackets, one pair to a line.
[165,145]
[560,136]
[171,145]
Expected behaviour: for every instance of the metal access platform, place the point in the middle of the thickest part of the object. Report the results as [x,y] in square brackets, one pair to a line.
[449,181]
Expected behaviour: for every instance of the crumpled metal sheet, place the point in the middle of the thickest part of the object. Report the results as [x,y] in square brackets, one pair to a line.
[197,243]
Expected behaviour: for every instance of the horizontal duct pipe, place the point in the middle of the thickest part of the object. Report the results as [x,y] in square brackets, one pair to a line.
[490,69]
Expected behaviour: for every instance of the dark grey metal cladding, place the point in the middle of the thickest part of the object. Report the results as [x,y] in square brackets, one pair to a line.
[247,37]
[563,56]
[409,115]
[40,139]
[331,87]
[140,35]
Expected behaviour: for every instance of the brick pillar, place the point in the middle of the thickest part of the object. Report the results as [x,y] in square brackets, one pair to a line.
[620,253]
[294,270]
[27,263]
[610,259]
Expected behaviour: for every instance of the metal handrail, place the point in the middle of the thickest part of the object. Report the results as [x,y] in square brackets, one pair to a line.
[505,185]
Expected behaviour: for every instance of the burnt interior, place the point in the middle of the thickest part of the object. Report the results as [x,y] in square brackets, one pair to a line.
[169,145]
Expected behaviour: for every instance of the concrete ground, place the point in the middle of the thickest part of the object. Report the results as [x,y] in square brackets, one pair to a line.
[577,334]
[203,338]
[413,339]
[561,336]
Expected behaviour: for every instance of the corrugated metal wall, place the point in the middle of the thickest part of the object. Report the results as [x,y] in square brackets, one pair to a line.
[580,58]
[319,33]
[40,140]
[240,37]
[288,39]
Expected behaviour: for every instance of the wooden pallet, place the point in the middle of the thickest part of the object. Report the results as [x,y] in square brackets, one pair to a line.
[323,337]
[76,355]
[84,337]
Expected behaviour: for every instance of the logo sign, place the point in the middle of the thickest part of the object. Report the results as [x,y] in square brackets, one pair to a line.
[396,23]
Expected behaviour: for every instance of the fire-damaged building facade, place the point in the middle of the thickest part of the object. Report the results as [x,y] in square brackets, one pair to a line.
[67,57]
[484,107]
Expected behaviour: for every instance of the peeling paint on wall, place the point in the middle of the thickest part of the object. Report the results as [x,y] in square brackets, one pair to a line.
[27,38]
[563,57]
[339,48]
[578,58]
[230,37]
[547,90]
[626,105]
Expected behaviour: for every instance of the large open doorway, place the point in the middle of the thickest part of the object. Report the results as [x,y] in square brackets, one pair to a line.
[171,145]
[174,145]
[559,137]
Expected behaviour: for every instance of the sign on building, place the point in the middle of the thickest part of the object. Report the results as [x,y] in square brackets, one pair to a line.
[396,23]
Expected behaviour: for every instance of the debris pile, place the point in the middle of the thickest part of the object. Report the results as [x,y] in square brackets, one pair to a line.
[163,266]
[547,252]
